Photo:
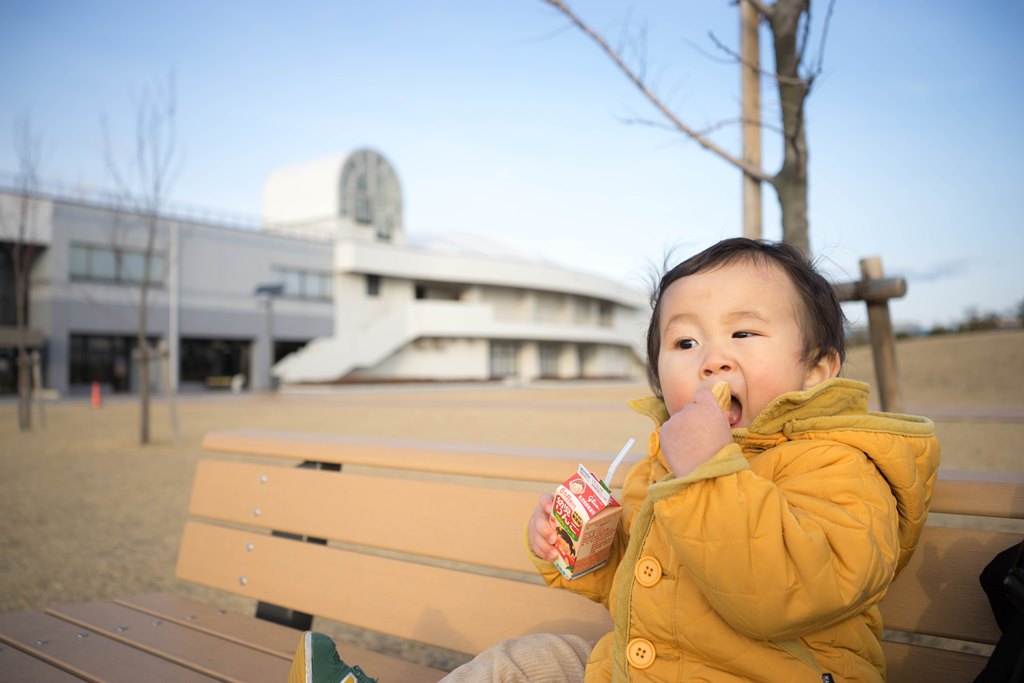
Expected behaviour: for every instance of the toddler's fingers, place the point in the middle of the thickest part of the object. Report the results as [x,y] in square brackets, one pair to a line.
[547,501]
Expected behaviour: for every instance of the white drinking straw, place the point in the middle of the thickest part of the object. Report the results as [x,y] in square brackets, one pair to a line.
[617,460]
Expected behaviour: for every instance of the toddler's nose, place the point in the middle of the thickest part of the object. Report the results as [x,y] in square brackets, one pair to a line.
[714,364]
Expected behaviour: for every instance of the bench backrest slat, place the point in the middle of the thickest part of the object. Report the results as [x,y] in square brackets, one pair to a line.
[982,498]
[550,466]
[938,593]
[430,518]
[381,593]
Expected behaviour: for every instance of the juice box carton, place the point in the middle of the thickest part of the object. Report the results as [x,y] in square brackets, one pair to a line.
[585,516]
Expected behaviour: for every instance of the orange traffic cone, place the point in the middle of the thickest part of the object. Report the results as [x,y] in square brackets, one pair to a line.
[97,399]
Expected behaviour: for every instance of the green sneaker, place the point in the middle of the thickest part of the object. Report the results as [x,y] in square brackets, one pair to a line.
[317,661]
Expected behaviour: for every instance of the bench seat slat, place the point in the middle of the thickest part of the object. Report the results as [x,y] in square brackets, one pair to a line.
[268,636]
[550,466]
[434,519]
[18,667]
[382,594]
[907,663]
[93,656]
[924,600]
[258,634]
[201,652]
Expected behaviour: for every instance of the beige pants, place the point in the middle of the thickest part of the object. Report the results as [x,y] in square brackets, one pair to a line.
[541,658]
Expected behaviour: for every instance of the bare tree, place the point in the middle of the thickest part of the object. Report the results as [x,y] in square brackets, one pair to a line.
[143,191]
[23,251]
[794,75]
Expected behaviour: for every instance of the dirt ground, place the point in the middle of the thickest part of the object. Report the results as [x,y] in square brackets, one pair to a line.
[87,513]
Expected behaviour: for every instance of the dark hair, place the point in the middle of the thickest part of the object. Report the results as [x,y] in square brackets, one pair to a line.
[821,317]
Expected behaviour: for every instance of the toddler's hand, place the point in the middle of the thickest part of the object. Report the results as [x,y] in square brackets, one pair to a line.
[694,434]
[541,530]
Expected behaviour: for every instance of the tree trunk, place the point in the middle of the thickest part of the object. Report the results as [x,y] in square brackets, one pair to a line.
[144,351]
[24,390]
[792,194]
[22,255]
[154,158]
[791,181]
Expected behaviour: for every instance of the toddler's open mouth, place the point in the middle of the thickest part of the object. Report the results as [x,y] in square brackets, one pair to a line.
[735,412]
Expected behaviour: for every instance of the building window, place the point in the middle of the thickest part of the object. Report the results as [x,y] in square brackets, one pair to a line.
[323,283]
[364,209]
[549,307]
[203,359]
[582,311]
[373,285]
[103,359]
[90,262]
[549,357]
[504,359]
[304,284]
[437,292]
[385,229]
[294,283]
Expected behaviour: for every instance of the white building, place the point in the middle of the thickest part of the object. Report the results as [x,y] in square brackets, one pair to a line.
[332,250]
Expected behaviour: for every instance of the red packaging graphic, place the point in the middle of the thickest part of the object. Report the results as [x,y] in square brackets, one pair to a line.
[585,516]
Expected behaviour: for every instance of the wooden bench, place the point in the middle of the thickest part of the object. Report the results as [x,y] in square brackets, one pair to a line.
[425,544]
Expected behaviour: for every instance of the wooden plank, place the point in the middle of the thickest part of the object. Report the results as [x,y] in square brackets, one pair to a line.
[86,653]
[907,663]
[877,290]
[258,634]
[550,466]
[434,519]
[988,494]
[472,611]
[268,636]
[938,593]
[195,650]
[17,667]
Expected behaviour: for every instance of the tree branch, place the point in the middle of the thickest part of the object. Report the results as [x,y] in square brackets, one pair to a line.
[740,120]
[824,36]
[745,166]
[736,57]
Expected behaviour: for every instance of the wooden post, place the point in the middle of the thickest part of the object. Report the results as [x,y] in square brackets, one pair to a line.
[750,88]
[883,344]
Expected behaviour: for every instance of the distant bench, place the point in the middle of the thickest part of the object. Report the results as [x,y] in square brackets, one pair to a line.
[425,543]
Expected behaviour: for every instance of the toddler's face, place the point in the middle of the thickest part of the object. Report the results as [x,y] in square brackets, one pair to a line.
[737,323]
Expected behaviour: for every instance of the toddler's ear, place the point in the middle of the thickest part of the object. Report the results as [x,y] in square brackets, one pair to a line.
[826,368]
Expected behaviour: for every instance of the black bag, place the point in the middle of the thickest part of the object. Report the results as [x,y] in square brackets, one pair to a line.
[1003,583]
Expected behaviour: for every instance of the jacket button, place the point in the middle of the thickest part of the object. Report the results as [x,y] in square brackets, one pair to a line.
[654,444]
[648,571]
[640,653]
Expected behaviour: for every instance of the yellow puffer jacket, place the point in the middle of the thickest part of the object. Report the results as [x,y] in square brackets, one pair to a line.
[767,562]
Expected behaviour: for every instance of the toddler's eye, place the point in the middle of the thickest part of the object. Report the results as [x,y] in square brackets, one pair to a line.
[742,335]
[685,344]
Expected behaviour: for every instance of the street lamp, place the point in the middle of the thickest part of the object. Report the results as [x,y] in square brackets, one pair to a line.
[270,291]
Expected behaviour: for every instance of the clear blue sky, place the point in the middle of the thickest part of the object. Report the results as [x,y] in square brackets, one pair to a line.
[503,121]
